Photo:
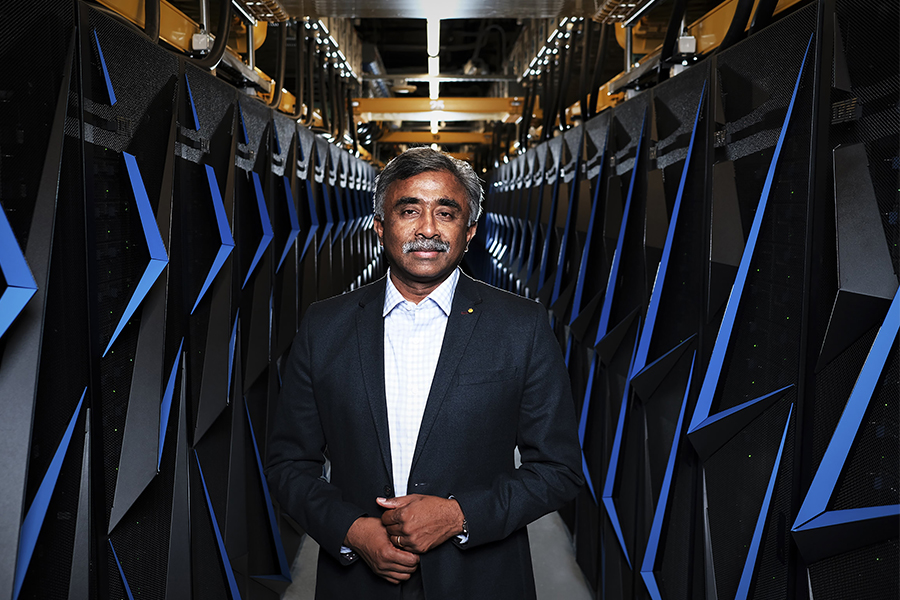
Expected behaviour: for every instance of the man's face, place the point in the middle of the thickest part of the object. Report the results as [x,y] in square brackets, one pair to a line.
[425,229]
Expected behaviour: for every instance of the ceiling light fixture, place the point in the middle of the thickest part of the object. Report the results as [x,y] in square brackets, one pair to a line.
[433,28]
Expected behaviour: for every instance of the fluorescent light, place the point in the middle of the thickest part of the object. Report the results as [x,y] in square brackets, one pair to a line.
[433,27]
[434,126]
[434,66]
[434,87]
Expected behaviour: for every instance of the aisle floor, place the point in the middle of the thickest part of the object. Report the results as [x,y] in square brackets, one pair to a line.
[556,574]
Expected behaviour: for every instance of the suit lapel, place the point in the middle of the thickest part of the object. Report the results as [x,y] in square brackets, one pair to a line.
[460,325]
[370,330]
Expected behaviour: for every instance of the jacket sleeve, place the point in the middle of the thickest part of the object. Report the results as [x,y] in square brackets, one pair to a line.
[296,457]
[550,474]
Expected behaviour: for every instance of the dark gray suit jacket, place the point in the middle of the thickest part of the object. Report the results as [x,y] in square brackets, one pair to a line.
[500,383]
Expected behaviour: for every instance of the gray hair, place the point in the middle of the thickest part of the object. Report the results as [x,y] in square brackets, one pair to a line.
[416,161]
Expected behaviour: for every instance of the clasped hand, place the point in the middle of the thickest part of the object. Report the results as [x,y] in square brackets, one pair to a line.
[410,526]
[419,523]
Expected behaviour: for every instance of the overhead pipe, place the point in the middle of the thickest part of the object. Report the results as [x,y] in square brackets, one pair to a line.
[333,119]
[586,27]
[337,110]
[629,49]
[598,68]
[354,134]
[673,31]
[251,48]
[300,74]
[278,84]
[309,97]
[214,56]
[529,113]
[565,77]
[549,90]
[151,19]
[323,89]
[527,104]
[204,15]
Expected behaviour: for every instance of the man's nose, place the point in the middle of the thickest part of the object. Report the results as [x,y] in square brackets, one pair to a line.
[427,226]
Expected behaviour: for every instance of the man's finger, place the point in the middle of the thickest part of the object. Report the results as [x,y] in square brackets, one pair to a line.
[395,577]
[397,502]
[405,559]
[390,517]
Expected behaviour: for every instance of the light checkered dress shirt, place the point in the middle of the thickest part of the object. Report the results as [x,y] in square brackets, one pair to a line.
[413,336]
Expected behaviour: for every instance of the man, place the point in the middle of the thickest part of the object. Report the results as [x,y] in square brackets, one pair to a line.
[418,388]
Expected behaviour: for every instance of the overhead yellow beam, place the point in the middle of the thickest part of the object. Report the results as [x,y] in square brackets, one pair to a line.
[178,29]
[442,109]
[425,137]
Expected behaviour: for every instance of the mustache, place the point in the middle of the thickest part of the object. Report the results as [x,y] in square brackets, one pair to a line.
[426,245]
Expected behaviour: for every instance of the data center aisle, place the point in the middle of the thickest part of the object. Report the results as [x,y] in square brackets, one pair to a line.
[556,574]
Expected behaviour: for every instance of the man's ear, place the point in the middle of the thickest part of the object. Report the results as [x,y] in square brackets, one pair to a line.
[471,232]
[379,229]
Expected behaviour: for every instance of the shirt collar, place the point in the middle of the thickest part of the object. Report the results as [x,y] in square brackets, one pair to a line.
[442,294]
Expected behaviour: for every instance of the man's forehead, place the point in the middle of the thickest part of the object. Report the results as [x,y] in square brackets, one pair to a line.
[442,184]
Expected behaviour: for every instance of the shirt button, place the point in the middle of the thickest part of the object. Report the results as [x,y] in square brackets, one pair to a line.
[388,492]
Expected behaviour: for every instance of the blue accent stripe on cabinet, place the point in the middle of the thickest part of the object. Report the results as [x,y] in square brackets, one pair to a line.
[223,552]
[285,574]
[158,257]
[582,424]
[329,219]
[232,342]
[662,502]
[121,571]
[267,233]
[850,515]
[313,219]
[165,406]
[19,280]
[295,222]
[743,590]
[585,254]
[341,219]
[245,138]
[570,217]
[111,95]
[617,255]
[744,405]
[659,282]
[191,100]
[826,478]
[714,369]
[226,240]
[551,221]
[34,518]
[610,484]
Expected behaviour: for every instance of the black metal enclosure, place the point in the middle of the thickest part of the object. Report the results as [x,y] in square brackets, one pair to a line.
[719,255]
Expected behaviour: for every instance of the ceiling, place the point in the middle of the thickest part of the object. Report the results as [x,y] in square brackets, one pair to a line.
[446,9]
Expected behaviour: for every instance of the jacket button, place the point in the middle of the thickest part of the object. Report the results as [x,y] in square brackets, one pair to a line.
[388,492]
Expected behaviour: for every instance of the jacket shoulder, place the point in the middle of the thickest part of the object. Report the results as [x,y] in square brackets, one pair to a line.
[341,303]
[506,301]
